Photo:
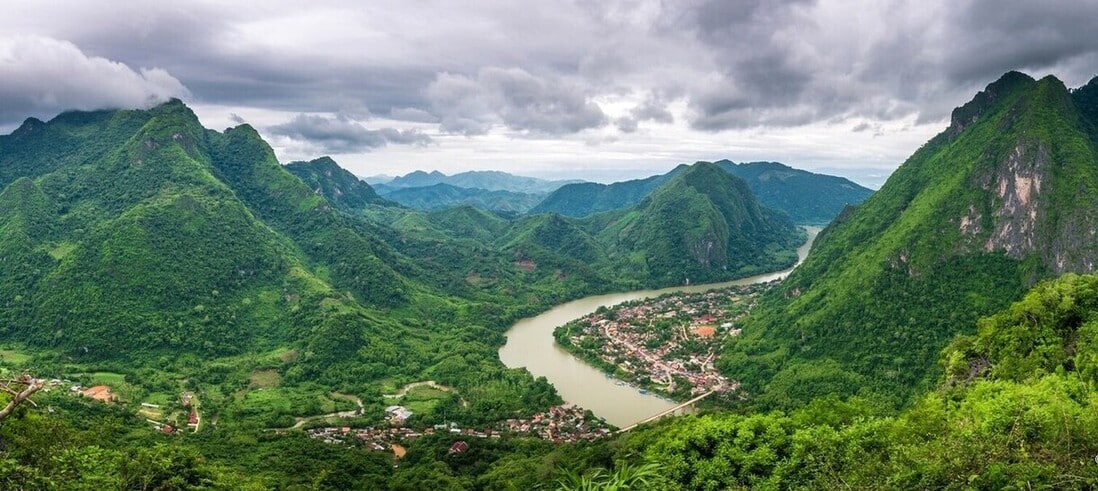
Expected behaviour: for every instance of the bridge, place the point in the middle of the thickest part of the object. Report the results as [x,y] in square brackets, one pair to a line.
[667,412]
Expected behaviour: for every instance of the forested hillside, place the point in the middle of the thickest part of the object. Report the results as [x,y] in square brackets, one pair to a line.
[805,196]
[1002,198]
[1015,409]
[151,255]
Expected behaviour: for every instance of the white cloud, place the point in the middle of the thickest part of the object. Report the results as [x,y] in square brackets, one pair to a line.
[43,76]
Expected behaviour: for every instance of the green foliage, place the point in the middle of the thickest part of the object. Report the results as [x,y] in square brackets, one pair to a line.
[441,196]
[728,234]
[941,244]
[338,186]
[1018,409]
[805,196]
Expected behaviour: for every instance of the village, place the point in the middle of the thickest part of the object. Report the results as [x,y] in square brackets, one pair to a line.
[161,418]
[666,345]
[560,424]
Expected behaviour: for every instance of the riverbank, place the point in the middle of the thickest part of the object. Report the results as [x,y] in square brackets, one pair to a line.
[531,345]
[667,345]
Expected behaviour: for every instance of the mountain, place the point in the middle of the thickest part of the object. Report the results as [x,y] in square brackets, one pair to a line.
[145,252]
[1003,197]
[439,196]
[807,197]
[136,233]
[587,198]
[729,234]
[378,179]
[488,180]
[341,188]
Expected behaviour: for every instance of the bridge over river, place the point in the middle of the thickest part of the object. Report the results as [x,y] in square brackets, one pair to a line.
[668,412]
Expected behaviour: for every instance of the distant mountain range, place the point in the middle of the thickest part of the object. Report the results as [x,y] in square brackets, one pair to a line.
[442,195]
[487,190]
[807,197]
[488,180]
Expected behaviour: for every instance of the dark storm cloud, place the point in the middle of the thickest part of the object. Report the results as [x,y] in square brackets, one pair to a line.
[995,36]
[541,69]
[787,63]
[341,134]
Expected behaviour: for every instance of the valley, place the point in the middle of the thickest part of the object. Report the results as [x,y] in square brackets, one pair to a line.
[214,316]
[531,344]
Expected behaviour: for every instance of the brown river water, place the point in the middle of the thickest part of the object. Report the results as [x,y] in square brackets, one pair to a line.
[530,344]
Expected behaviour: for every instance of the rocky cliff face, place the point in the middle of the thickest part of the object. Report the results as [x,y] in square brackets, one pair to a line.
[1006,196]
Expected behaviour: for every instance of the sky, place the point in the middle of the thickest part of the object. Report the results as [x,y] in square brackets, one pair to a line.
[601,90]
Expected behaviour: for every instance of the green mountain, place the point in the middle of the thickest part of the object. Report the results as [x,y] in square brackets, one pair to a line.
[728,233]
[805,196]
[439,196]
[1003,197]
[488,180]
[341,188]
[143,251]
[140,232]
[587,198]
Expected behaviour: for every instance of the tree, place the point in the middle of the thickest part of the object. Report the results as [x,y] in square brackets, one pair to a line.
[20,388]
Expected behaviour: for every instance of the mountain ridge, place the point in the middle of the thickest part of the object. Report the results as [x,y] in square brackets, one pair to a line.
[488,180]
[807,197]
[984,209]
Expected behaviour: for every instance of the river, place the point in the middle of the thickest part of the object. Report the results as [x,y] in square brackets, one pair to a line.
[530,344]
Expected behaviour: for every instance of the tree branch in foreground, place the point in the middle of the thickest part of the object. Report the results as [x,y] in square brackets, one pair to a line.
[20,388]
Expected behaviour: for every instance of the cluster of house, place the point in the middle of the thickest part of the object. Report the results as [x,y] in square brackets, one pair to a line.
[397,415]
[101,393]
[187,400]
[663,342]
[560,424]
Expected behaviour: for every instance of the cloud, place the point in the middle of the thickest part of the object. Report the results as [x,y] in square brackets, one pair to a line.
[653,109]
[794,62]
[626,124]
[341,134]
[412,114]
[514,98]
[43,76]
[565,72]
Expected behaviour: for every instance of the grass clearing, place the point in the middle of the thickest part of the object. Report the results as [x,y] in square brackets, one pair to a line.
[14,357]
[423,399]
[160,398]
[150,413]
[63,249]
[107,378]
[265,379]
[288,356]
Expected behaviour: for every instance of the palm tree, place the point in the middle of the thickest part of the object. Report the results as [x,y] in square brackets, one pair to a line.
[625,476]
